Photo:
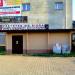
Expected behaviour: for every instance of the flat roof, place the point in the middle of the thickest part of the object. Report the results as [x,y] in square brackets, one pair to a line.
[38,30]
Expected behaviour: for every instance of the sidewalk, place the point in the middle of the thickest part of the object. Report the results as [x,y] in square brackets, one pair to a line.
[26,65]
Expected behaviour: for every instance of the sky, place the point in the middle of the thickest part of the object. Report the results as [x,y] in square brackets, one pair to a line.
[73,6]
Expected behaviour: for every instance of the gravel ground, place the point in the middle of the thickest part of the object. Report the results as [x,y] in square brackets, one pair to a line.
[28,65]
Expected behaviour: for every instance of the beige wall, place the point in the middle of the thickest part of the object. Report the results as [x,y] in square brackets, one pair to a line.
[44,12]
[39,41]
[68,14]
[62,38]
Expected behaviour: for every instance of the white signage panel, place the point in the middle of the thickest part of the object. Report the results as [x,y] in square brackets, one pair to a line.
[10,11]
[22,26]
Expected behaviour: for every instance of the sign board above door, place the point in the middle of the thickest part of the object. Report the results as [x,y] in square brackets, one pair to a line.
[23,26]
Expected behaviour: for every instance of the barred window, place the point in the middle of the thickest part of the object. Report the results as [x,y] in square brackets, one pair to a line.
[59,5]
[26,6]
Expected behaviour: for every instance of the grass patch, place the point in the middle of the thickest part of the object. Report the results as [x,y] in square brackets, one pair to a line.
[54,55]
[42,54]
[2,50]
[72,54]
[2,53]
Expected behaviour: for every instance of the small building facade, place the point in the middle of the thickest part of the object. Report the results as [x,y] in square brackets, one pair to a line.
[35,26]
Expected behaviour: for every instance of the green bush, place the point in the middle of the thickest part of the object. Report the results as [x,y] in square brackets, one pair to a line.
[72,54]
[2,50]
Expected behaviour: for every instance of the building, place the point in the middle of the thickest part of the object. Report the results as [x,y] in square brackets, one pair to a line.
[34,26]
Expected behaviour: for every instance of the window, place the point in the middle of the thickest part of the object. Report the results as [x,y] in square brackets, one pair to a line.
[25,19]
[5,19]
[15,19]
[2,38]
[59,5]
[26,7]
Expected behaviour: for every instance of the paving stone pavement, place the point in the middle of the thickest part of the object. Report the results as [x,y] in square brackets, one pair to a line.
[29,65]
